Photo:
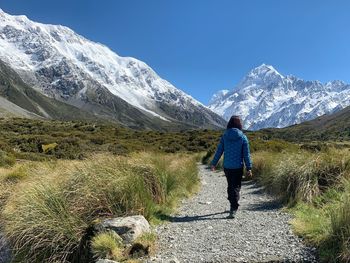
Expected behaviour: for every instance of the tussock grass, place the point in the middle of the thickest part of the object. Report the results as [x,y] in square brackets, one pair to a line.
[47,215]
[19,173]
[316,187]
[301,176]
[340,222]
[143,245]
[107,245]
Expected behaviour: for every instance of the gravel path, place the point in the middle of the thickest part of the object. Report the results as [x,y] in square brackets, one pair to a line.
[199,232]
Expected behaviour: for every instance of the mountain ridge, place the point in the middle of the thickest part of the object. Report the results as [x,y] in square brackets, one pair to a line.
[68,67]
[265,98]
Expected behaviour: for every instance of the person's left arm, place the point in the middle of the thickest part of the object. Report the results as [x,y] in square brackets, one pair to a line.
[246,154]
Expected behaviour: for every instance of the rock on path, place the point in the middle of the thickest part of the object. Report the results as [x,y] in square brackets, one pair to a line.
[199,232]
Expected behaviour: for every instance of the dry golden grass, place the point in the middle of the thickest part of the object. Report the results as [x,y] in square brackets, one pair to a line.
[316,186]
[47,212]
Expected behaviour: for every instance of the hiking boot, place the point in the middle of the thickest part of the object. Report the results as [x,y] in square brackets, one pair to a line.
[232,214]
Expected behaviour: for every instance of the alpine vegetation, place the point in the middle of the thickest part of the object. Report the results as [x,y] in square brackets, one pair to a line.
[316,187]
[47,214]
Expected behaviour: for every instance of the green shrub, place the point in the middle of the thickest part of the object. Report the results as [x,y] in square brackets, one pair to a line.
[7,159]
[48,148]
[118,149]
[69,148]
[98,141]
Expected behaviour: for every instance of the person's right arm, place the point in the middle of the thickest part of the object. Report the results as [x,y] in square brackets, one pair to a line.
[218,153]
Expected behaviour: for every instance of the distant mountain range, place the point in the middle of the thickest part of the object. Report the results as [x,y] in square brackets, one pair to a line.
[266,98]
[49,71]
[334,126]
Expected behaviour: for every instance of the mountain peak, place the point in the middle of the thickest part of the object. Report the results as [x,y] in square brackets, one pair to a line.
[263,70]
[265,98]
[263,74]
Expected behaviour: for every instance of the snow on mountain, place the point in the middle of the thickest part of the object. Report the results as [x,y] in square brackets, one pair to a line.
[66,66]
[265,98]
[218,96]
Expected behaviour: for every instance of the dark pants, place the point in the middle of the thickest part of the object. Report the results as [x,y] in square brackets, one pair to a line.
[234,181]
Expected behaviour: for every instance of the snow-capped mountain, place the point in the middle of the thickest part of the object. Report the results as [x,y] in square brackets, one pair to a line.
[64,65]
[266,98]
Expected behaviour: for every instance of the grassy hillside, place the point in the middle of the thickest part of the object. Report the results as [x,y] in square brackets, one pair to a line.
[328,127]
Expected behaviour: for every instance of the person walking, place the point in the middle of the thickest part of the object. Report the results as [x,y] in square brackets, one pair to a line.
[235,147]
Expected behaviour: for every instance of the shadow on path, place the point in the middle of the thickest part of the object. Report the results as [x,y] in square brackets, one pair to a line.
[180,219]
[265,206]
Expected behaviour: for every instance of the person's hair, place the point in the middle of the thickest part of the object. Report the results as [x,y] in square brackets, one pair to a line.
[235,122]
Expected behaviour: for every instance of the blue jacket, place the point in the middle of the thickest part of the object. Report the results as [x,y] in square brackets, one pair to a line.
[235,146]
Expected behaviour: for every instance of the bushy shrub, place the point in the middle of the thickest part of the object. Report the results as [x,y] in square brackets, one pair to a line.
[258,144]
[98,141]
[68,148]
[6,159]
[48,148]
[118,149]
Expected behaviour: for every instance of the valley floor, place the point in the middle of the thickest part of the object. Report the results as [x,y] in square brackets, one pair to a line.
[200,232]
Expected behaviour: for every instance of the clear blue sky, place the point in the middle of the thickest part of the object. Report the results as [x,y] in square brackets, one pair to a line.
[202,46]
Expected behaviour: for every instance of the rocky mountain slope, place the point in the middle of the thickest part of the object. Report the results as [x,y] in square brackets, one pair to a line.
[17,99]
[266,98]
[64,65]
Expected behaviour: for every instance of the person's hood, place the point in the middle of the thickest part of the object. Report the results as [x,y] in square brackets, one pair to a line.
[233,134]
